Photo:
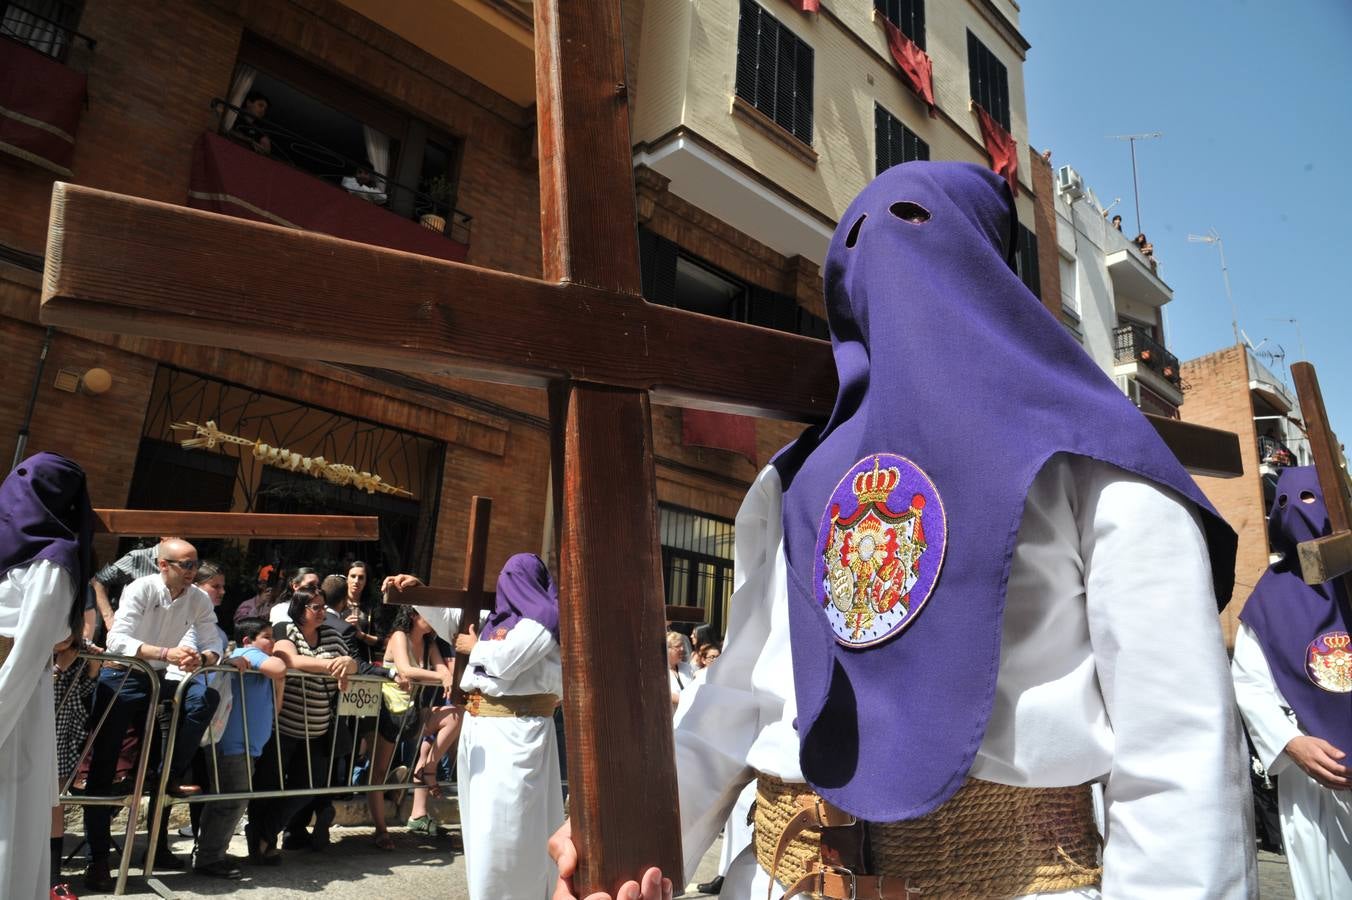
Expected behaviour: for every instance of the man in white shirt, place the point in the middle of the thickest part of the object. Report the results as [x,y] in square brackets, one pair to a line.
[165,620]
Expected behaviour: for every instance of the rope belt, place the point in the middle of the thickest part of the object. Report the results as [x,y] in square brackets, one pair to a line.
[988,841]
[521,706]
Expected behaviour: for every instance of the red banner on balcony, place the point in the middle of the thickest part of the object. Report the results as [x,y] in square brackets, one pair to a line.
[806,6]
[719,431]
[235,180]
[1001,148]
[917,70]
[40,104]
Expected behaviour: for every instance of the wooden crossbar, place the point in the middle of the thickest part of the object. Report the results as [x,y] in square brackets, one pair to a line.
[193,524]
[1329,557]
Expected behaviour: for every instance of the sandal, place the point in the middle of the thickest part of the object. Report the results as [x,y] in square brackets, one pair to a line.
[424,825]
[383,841]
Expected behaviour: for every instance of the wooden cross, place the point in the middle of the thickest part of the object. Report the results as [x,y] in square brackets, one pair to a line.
[472,599]
[582,331]
[196,524]
[1329,557]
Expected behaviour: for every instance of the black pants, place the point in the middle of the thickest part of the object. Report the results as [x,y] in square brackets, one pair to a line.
[268,815]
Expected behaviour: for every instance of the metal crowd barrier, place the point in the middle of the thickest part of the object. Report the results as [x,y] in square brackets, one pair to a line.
[132,801]
[363,694]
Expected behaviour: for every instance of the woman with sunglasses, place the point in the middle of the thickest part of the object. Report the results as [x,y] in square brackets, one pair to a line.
[307,645]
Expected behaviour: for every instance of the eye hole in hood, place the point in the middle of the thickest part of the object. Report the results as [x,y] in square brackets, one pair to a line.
[852,238]
[909,212]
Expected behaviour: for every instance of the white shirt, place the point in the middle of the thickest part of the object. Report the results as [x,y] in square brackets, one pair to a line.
[148,615]
[1112,669]
[1261,702]
[525,661]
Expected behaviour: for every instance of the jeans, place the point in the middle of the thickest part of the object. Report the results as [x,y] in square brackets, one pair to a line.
[268,815]
[220,817]
[129,708]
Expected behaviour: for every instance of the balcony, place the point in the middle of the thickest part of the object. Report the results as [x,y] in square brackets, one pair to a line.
[1134,277]
[1136,354]
[41,96]
[231,178]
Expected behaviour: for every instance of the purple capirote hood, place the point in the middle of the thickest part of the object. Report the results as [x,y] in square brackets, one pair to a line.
[1303,629]
[525,590]
[955,376]
[45,514]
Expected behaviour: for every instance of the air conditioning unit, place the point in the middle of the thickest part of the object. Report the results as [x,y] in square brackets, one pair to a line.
[1129,386]
[1069,182]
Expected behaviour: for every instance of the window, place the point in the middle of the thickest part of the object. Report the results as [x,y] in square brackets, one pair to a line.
[989,80]
[45,25]
[673,277]
[774,71]
[907,15]
[696,560]
[894,143]
[1070,297]
[320,124]
[1025,261]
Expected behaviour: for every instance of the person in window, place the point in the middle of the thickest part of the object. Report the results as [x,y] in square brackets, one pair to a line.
[249,128]
[366,184]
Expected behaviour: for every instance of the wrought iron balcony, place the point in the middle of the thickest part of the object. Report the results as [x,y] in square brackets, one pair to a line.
[1133,343]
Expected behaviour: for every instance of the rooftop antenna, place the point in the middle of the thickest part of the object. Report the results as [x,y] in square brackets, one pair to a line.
[1109,208]
[1135,189]
[1300,339]
[1214,237]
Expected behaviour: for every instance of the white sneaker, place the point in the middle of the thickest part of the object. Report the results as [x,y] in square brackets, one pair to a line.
[186,831]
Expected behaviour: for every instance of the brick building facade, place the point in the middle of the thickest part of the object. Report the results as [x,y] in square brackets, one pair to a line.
[460,74]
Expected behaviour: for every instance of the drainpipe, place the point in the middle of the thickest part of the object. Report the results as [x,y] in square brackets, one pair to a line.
[22,446]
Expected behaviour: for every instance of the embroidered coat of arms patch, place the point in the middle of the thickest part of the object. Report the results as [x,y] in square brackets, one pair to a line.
[1329,663]
[879,549]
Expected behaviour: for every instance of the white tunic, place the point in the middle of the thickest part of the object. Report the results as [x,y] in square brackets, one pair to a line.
[34,611]
[511,793]
[1112,670]
[1316,822]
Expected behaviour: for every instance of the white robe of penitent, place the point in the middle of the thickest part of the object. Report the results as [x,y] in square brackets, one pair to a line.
[1316,822]
[511,792]
[34,611]
[1112,670]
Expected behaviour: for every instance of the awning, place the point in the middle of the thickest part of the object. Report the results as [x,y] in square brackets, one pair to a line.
[232,179]
[40,104]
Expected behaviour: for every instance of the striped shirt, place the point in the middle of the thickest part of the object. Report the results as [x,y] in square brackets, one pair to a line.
[307,703]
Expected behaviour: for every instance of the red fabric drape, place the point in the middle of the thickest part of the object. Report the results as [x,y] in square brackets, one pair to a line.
[232,179]
[806,6]
[1001,148]
[916,67]
[40,104]
[719,431]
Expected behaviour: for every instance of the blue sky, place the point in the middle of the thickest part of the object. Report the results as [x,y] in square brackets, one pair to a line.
[1253,102]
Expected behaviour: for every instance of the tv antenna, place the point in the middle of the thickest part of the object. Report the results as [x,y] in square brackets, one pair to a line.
[1135,189]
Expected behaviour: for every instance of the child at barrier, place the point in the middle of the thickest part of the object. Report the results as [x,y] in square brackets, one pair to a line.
[253,707]
[73,681]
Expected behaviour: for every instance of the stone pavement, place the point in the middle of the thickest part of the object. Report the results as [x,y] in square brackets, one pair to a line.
[353,869]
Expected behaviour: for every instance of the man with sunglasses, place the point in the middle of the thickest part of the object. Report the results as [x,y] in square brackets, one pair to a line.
[165,620]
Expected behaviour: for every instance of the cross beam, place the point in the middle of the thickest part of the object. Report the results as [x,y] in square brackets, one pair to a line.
[146,522]
[458,598]
[1328,557]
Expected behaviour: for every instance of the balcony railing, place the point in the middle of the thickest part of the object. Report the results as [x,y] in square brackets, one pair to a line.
[41,98]
[433,212]
[1272,452]
[1133,343]
[47,36]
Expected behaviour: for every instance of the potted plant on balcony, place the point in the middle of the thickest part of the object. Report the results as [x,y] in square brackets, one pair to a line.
[439,192]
